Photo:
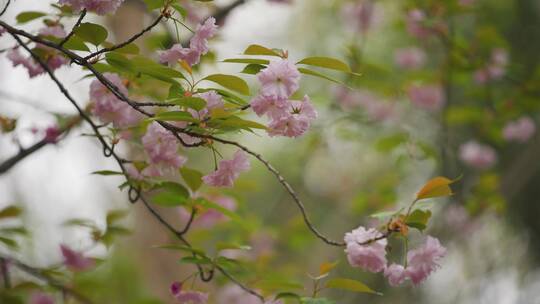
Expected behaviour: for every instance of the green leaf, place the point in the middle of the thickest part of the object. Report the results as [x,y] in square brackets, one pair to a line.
[156,70]
[252,69]
[348,284]
[10,211]
[171,195]
[316,301]
[107,172]
[119,61]
[195,103]
[418,219]
[29,16]
[91,32]
[247,60]
[317,74]
[193,178]
[76,43]
[9,242]
[131,49]
[256,49]
[153,4]
[389,143]
[230,82]
[175,91]
[326,62]
[174,116]
[235,122]
[114,216]
[225,246]
[196,260]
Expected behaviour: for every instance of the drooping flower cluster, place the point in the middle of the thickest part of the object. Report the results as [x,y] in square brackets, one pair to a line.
[187,296]
[366,249]
[51,58]
[198,45]
[100,7]
[495,68]
[75,260]
[477,155]
[108,107]
[428,97]
[288,117]
[520,130]
[161,146]
[228,170]
[410,58]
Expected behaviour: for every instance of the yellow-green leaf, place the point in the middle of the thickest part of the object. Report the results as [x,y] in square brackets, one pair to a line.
[256,49]
[29,16]
[348,284]
[193,178]
[326,62]
[91,32]
[326,267]
[230,82]
[10,211]
[436,187]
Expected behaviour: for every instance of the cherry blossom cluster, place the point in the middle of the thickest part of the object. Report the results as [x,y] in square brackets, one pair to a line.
[198,45]
[100,7]
[494,69]
[366,249]
[51,57]
[279,81]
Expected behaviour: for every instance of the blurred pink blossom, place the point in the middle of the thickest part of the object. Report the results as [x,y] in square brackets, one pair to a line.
[100,7]
[41,298]
[520,130]
[410,58]
[494,69]
[428,97]
[75,260]
[362,15]
[477,155]
[108,107]
[187,296]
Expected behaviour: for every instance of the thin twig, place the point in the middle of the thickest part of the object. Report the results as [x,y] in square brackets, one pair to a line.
[5,7]
[130,40]
[81,17]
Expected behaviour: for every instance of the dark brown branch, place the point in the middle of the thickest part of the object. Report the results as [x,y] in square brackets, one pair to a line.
[37,273]
[81,17]
[5,273]
[130,40]
[5,7]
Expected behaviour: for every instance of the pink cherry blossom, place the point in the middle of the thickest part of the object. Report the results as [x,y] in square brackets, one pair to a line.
[520,130]
[75,260]
[421,262]
[396,274]
[205,31]
[273,107]
[198,45]
[228,170]
[494,69]
[100,7]
[410,58]
[296,121]
[187,296]
[428,97]
[34,68]
[108,107]
[213,101]
[211,217]
[477,155]
[280,79]
[162,149]
[371,256]
[41,298]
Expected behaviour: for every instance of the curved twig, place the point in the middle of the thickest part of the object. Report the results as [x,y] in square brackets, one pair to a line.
[81,17]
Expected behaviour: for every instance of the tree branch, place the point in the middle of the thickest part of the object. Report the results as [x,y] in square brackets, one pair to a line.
[37,273]
[81,17]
